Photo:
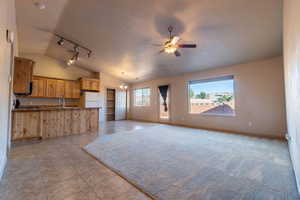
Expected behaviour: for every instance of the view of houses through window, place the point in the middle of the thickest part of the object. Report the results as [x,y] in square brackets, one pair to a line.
[212,96]
[142,97]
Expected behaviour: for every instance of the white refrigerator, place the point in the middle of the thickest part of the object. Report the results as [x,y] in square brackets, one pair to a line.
[92,100]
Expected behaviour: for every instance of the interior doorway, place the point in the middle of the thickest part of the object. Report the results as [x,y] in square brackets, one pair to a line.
[110,104]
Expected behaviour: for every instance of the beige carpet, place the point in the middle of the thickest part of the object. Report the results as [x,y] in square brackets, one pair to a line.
[175,163]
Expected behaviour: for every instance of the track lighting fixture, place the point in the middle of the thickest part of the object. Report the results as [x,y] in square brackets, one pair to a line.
[70,62]
[60,42]
[77,48]
[74,58]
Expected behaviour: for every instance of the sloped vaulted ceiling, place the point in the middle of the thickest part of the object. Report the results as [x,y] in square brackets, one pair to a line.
[121,33]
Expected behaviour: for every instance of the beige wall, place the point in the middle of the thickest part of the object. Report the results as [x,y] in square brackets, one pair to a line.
[50,67]
[7,21]
[259,93]
[107,81]
[292,78]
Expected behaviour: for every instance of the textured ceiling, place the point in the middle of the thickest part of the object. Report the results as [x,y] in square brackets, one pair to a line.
[121,33]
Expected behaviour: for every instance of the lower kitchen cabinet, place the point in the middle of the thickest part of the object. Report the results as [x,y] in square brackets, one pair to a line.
[26,125]
[54,123]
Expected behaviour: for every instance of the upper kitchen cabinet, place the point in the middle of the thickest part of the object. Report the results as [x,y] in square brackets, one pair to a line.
[45,87]
[89,84]
[72,89]
[60,88]
[23,76]
[38,87]
[76,90]
[51,88]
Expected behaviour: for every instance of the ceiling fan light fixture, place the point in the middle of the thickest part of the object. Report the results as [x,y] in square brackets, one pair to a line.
[170,49]
[40,5]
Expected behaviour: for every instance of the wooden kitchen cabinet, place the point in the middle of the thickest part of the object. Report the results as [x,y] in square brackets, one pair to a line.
[38,87]
[22,76]
[60,88]
[49,123]
[44,87]
[26,125]
[72,89]
[89,84]
[68,89]
[51,88]
[76,90]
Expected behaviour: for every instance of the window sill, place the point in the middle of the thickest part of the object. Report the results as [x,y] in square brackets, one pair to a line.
[214,114]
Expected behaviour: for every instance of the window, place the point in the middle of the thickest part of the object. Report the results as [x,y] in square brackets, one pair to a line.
[142,97]
[212,96]
[162,113]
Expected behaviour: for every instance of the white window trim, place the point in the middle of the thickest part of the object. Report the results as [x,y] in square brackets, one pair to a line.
[228,77]
[134,97]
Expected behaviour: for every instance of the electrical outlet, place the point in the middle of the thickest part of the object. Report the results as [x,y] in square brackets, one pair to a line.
[250,124]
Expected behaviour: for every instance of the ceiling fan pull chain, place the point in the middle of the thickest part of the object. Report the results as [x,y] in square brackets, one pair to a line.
[170,29]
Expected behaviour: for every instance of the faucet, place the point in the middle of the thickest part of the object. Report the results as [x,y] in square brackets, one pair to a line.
[61,102]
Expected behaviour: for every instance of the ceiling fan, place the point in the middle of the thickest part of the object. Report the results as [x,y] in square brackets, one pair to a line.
[172,44]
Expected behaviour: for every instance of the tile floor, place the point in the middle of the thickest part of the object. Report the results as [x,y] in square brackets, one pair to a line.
[58,169]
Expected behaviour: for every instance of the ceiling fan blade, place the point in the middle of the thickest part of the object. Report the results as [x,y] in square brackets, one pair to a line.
[174,40]
[158,45]
[187,46]
[161,51]
[177,53]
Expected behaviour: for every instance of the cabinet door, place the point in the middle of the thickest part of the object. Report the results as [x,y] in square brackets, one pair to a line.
[90,84]
[42,84]
[95,85]
[38,87]
[26,125]
[76,90]
[68,89]
[35,85]
[51,88]
[85,84]
[22,75]
[60,88]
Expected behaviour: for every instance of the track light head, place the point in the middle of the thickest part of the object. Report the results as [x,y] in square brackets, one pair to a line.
[60,42]
[76,48]
[74,58]
[70,62]
[89,54]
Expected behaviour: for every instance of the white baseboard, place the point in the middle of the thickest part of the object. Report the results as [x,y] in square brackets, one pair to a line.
[2,167]
[297,175]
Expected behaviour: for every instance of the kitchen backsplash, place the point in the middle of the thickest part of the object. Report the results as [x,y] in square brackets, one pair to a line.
[46,102]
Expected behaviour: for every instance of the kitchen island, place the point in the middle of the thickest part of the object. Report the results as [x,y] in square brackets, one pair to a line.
[50,122]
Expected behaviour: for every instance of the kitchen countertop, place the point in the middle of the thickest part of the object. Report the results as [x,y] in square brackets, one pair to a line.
[48,109]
